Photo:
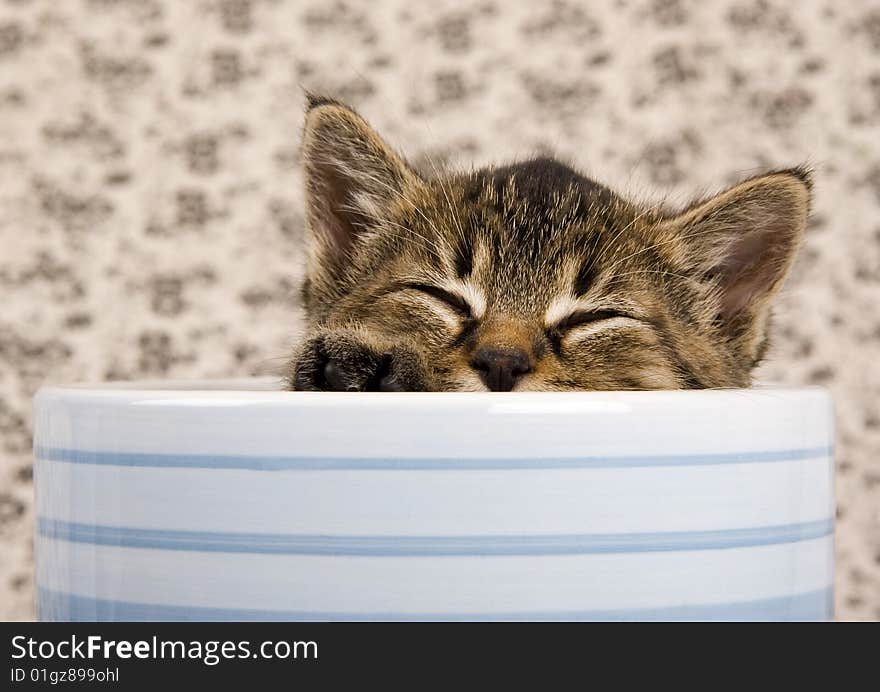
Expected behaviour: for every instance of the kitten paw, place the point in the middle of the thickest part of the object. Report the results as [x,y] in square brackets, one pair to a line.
[341,362]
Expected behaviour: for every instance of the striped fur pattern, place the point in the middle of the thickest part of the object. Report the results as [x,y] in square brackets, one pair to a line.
[528,276]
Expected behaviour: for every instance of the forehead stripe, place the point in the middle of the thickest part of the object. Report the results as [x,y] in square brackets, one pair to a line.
[464,257]
[584,278]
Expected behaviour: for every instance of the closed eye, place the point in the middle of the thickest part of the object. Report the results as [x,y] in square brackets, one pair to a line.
[456,302]
[577,319]
[582,317]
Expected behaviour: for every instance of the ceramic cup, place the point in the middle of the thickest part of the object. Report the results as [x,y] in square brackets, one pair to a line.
[233,500]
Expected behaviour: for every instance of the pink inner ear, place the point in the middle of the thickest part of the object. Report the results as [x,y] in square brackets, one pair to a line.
[335,217]
[752,268]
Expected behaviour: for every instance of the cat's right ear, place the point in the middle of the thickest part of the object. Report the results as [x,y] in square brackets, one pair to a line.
[352,179]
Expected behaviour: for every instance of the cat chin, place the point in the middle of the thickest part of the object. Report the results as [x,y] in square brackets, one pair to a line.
[540,387]
[469,383]
[475,384]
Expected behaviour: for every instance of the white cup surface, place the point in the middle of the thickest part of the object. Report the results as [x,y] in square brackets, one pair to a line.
[235,500]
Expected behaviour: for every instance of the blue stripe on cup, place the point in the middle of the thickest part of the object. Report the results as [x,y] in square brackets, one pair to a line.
[810,606]
[418,546]
[306,463]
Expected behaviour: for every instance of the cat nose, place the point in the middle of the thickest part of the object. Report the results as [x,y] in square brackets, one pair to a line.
[501,368]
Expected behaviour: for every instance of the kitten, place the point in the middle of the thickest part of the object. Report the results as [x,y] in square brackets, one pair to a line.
[528,276]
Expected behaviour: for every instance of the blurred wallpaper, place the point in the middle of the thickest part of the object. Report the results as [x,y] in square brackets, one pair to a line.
[151,214]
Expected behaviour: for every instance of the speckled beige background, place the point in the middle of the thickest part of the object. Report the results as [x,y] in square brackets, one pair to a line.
[150,206]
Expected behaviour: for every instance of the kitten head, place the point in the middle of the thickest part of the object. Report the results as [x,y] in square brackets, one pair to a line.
[534,277]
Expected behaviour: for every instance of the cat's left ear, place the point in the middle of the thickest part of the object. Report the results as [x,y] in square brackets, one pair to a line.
[352,179]
[744,241]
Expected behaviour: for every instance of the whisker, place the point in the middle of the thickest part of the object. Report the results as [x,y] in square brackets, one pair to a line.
[406,234]
[601,255]
[676,238]
[654,271]
[399,194]
[452,211]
